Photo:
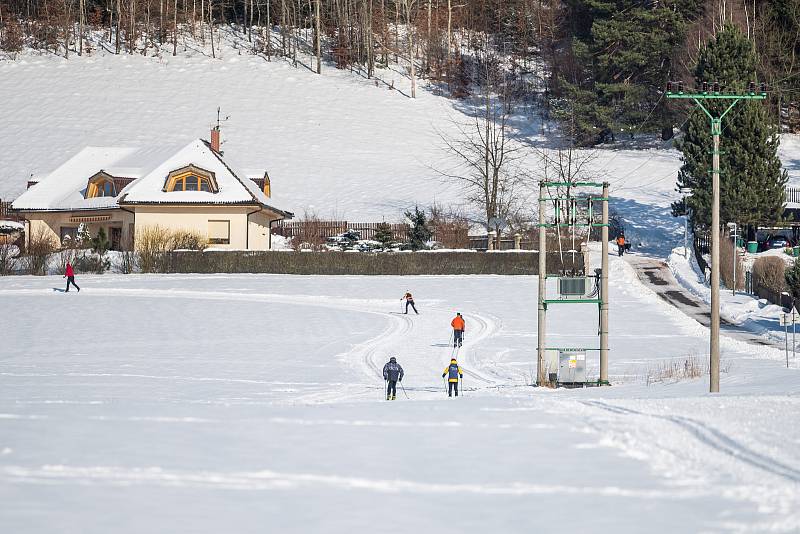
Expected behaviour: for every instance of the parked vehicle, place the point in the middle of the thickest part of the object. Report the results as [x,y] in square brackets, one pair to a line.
[775,241]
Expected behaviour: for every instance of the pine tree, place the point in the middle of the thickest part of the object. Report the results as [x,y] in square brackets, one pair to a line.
[620,57]
[419,234]
[100,243]
[751,180]
[383,235]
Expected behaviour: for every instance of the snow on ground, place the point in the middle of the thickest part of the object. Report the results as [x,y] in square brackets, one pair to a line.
[742,309]
[239,403]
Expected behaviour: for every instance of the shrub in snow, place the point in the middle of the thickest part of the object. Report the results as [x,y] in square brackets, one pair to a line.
[769,272]
[40,246]
[7,254]
[728,261]
[792,275]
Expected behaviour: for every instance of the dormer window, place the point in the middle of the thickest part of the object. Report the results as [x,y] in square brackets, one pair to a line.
[101,185]
[191,178]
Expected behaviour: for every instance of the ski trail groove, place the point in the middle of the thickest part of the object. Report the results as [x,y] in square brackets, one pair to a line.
[713,438]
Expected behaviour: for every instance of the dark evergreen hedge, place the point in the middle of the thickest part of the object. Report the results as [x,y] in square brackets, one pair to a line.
[360,263]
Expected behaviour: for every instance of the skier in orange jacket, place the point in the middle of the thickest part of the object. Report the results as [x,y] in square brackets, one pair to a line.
[621,244]
[458,330]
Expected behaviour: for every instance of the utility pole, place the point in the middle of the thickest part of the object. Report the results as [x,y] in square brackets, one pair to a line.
[604,291]
[716,131]
[541,379]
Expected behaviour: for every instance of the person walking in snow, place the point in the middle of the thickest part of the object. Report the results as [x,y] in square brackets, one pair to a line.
[70,276]
[453,374]
[392,374]
[409,302]
[458,330]
[621,244]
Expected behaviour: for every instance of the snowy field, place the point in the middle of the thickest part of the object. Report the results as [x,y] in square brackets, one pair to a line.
[253,403]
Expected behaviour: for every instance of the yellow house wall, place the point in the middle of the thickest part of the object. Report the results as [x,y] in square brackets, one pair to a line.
[51,223]
[259,230]
[196,219]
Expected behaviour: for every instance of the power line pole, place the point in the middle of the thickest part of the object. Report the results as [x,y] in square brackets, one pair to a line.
[716,131]
[604,291]
[541,379]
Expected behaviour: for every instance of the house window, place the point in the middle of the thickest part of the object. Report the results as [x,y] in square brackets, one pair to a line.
[101,187]
[190,178]
[68,234]
[219,232]
[190,183]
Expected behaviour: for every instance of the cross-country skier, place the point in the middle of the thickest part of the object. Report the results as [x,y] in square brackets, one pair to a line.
[70,276]
[458,330]
[621,244]
[453,373]
[392,374]
[409,302]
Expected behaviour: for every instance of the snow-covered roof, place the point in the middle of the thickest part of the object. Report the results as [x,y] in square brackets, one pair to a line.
[63,189]
[11,226]
[230,188]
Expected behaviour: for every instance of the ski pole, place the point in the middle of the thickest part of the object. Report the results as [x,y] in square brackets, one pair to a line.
[445,385]
[462,385]
[404,389]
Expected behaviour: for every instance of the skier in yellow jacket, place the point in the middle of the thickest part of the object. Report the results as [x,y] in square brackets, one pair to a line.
[453,373]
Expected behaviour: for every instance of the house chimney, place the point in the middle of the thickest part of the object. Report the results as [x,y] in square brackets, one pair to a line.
[215,139]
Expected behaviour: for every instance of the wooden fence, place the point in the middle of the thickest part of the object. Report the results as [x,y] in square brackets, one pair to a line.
[7,213]
[327,229]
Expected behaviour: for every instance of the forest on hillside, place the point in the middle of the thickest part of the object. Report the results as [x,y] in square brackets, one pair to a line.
[598,67]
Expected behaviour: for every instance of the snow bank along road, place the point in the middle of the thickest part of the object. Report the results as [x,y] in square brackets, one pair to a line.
[253,404]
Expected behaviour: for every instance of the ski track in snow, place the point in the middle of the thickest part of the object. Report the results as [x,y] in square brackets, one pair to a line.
[369,355]
[271,480]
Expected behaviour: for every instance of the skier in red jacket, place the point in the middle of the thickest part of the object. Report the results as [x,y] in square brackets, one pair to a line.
[70,276]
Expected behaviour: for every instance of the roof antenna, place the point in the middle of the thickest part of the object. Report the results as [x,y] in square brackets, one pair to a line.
[215,137]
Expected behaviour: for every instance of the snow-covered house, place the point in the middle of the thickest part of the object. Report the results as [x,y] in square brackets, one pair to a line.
[125,190]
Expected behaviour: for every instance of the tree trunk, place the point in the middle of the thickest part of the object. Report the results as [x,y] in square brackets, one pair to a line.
[175,30]
[318,36]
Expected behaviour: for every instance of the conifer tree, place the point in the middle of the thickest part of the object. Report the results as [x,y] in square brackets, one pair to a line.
[419,234]
[751,180]
[383,235]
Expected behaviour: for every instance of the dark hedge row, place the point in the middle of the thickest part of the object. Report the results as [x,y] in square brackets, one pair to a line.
[347,263]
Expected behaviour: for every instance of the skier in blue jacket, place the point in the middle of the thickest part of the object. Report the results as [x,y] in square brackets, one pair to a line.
[392,374]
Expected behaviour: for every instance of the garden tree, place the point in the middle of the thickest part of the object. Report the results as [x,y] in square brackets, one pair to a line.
[490,164]
[419,234]
[751,179]
[100,243]
[383,235]
[793,279]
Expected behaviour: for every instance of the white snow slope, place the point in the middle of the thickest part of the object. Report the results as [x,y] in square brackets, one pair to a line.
[254,404]
[338,144]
